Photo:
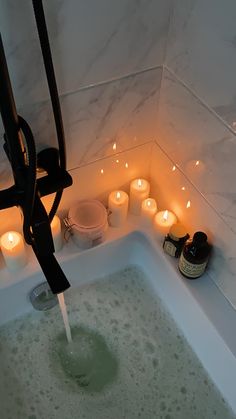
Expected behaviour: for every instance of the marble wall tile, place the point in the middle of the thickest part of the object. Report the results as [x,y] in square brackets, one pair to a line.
[123,112]
[200,145]
[202,51]
[90,183]
[92,41]
[173,190]
[118,171]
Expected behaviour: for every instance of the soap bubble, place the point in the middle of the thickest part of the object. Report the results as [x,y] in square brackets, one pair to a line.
[87,360]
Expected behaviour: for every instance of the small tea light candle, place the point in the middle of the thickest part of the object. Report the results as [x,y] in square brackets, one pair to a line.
[163,220]
[118,203]
[56,233]
[139,190]
[13,250]
[148,210]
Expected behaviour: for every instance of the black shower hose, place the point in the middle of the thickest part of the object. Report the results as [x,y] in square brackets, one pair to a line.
[52,85]
[28,203]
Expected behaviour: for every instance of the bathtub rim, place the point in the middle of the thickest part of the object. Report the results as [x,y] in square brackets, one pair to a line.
[195,313]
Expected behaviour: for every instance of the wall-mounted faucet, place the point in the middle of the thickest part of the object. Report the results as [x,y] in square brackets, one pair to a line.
[20,149]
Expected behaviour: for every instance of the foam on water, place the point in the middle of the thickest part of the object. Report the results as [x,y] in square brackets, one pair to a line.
[132,362]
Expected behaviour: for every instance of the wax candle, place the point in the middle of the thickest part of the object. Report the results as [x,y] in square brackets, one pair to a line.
[56,233]
[118,203]
[163,220]
[148,210]
[139,190]
[13,250]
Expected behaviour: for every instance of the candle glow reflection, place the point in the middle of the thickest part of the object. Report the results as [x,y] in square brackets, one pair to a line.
[10,238]
[165,215]
[118,195]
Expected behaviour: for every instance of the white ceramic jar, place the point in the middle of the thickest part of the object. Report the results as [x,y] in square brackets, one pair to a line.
[88,221]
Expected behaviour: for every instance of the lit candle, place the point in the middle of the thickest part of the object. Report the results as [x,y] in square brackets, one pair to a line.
[139,190]
[148,210]
[56,233]
[118,203]
[13,250]
[163,220]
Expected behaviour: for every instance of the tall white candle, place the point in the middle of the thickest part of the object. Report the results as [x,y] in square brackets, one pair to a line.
[148,210]
[139,190]
[118,203]
[163,220]
[13,250]
[56,233]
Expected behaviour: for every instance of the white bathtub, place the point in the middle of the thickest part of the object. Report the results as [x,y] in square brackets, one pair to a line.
[202,313]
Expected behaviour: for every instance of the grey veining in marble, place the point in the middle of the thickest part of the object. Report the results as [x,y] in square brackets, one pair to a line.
[202,51]
[199,216]
[122,112]
[190,133]
[92,41]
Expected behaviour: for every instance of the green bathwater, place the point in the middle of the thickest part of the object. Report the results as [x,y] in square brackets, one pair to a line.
[127,360]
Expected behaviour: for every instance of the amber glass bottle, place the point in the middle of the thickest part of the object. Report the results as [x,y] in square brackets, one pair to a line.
[195,256]
[175,239]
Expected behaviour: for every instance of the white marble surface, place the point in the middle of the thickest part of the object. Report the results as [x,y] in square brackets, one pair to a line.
[92,41]
[122,112]
[167,187]
[188,132]
[202,51]
[90,183]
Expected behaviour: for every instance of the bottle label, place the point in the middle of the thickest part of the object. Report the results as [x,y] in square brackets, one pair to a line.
[169,248]
[190,269]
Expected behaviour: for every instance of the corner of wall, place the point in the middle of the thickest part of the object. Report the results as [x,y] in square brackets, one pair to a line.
[193,161]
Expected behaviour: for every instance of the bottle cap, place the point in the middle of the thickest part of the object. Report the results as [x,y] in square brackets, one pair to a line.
[200,237]
[177,232]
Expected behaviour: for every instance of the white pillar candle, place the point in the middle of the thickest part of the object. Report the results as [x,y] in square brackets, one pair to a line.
[56,233]
[118,203]
[139,190]
[148,210]
[13,250]
[163,220]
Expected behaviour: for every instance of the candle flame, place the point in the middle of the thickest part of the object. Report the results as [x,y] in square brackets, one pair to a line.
[126,165]
[188,204]
[183,188]
[117,161]
[166,215]
[102,171]
[139,183]
[10,237]
[173,168]
[118,195]
[197,163]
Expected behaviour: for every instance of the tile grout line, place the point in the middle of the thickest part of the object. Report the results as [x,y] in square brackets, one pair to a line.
[112,80]
[98,84]
[100,159]
[194,186]
[203,103]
